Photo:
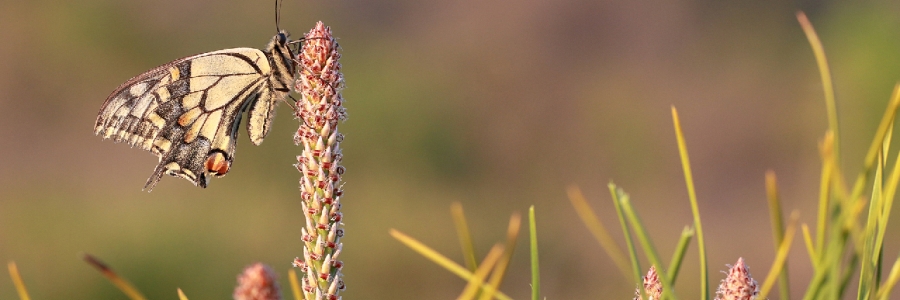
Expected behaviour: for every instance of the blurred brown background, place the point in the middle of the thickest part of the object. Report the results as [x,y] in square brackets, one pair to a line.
[496,104]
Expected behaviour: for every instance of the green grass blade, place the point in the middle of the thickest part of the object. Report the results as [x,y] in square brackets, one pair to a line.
[886,121]
[626,232]
[465,238]
[884,293]
[825,181]
[680,250]
[867,284]
[784,247]
[695,210]
[810,248]
[596,227]
[888,203]
[647,244]
[825,73]
[535,262]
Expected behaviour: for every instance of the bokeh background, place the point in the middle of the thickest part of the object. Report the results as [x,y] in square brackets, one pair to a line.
[496,104]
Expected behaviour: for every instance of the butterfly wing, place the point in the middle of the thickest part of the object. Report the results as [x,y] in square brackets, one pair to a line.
[187,112]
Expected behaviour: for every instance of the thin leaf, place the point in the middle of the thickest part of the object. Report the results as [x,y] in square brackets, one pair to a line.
[867,283]
[826,147]
[680,250]
[810,248]
[695,209]
[626,232]
[886,121]
[465,238]
[824,72]
[647,244]
[535,261]
[884,293]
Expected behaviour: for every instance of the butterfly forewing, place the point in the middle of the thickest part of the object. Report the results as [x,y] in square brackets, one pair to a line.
[187,112]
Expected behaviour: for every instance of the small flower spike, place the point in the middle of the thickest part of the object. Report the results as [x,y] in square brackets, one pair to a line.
[738,285]
[652,286]
[257,282]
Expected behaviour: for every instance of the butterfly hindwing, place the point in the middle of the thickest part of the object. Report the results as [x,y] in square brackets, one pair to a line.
[187,112]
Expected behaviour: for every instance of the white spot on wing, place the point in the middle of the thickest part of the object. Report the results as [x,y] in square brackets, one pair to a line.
[138,89]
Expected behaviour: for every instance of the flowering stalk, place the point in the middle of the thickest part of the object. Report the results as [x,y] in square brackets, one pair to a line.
[319,110]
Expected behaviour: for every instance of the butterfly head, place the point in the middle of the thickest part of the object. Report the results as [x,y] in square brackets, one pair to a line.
[280,52]
[282,37]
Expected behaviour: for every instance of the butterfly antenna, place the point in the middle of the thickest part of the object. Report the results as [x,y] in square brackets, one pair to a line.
[277,16]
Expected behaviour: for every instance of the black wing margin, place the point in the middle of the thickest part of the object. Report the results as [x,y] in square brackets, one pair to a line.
[191,133]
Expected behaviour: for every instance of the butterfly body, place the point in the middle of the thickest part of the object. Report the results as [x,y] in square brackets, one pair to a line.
[187,112]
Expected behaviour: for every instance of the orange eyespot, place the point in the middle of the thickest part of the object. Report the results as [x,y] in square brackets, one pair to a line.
[216,164]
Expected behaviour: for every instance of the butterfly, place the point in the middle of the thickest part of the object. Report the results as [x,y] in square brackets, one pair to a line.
[187,112]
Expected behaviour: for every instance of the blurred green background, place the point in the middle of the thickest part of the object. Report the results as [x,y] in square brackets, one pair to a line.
[495,104]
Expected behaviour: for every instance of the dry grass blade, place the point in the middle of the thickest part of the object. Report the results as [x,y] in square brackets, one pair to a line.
[593,223]
[465,238]
[119,282]
[481,273]
[295,285]
[775,215]
[781,256]
[17,281]
[512,235]
[441,260]
[181,295]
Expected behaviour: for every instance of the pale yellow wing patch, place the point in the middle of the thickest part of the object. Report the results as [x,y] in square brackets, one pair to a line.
[194,135]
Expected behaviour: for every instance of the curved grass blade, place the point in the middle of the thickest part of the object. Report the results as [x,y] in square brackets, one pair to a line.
[824,72]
